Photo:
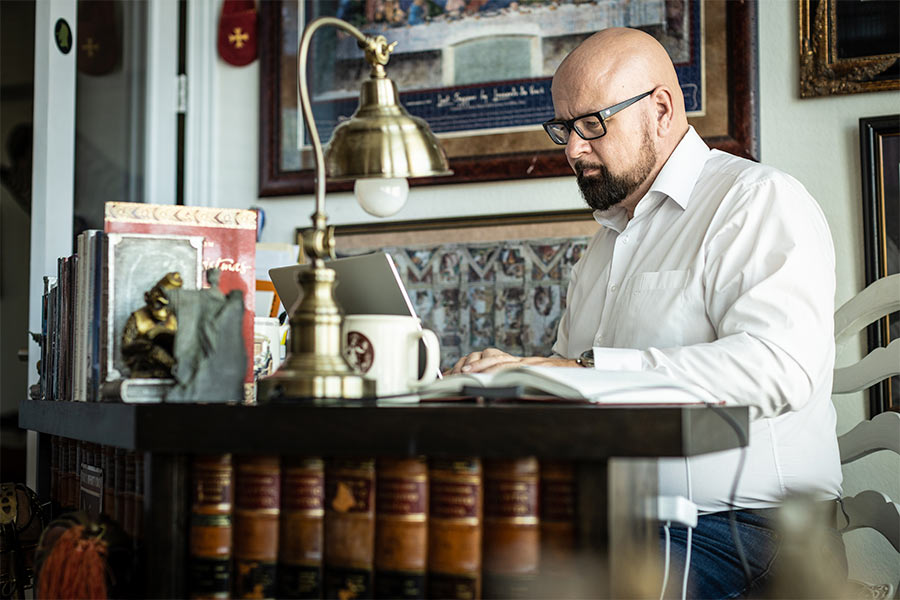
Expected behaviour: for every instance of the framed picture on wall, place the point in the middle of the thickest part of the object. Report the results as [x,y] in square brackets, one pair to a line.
[487,112]
[849,46]
[880,159]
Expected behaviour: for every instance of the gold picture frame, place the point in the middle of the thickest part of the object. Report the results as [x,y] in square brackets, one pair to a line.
[492,228]
[730,122]
[842,53]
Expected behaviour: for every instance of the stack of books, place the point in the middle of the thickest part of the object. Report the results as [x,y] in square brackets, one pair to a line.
[304,527]
[88,301]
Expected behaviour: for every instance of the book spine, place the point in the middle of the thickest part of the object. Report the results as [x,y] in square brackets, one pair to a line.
[300,535]
[401,528]
[349,528]
[96,331]
[62,317]
[257,505]
[127,497]
[212,502]
[511,527]
[90,489]
[52,329]
[557,507]
[72,266]
[120,469]
[78,320]
[106,313]
[138,499]
[45,336]
[455,528]
[108,464]
[71,475]
[54,473]
[63,491]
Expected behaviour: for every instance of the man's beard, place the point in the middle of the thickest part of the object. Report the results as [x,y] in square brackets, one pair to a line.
[604,190]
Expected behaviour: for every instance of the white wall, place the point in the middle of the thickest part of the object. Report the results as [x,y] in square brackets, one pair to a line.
[815,140]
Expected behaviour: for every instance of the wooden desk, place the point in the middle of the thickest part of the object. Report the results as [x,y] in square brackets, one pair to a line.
[615,449]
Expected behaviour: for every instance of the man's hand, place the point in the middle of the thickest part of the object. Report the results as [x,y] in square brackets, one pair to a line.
[491,359]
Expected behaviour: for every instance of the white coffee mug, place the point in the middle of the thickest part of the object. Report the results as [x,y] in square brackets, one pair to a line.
[386,348]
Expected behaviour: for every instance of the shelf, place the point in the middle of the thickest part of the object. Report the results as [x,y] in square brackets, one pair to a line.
[360,428]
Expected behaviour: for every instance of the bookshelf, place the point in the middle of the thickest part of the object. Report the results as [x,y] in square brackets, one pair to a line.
[614,449]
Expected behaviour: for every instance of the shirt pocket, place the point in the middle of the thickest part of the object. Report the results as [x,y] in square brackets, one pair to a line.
[656,310]
[661,280]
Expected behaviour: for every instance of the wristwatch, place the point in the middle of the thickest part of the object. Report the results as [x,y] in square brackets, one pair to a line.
[586,359]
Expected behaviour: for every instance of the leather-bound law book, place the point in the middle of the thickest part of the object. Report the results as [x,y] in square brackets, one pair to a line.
[401,528]
[349,528]
[454,528]
[257,501]
[512,534]
[557,515]
[108,464]
[300,534]
[212,503]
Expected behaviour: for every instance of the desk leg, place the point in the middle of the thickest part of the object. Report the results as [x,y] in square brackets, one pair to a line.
[633,528]
[616,528]
[165,525]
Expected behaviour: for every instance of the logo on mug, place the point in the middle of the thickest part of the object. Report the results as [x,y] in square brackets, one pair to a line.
[359,352]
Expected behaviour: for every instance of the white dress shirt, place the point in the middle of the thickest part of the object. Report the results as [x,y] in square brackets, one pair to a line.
[724,279]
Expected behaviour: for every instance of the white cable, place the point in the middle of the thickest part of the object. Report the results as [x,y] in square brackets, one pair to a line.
[665,581]
[687,556]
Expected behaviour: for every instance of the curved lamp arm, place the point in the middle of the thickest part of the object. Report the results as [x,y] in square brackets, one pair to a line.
[318,242]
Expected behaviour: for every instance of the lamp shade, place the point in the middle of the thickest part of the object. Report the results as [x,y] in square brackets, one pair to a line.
[381,139]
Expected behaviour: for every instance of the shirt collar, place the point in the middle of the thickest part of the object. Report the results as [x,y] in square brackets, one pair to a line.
[675,180]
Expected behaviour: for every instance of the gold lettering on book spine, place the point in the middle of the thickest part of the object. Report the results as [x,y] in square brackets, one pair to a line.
[455,527]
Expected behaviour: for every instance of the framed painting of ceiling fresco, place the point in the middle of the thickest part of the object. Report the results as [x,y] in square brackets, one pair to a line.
[849,46]
[879,140]
[482,281]
[487,111]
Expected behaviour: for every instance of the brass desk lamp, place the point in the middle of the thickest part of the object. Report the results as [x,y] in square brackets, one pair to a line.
[379,146]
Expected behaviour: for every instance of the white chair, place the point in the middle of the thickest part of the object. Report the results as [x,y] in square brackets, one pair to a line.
[870,508]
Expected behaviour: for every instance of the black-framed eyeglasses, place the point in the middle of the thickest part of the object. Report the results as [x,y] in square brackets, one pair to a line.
[590,126]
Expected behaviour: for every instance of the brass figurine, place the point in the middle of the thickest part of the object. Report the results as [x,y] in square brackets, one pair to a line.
[148,340]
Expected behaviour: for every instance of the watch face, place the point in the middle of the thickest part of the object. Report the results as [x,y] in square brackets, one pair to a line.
[587,358]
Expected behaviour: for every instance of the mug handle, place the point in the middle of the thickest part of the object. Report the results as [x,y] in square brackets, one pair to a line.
[432,356]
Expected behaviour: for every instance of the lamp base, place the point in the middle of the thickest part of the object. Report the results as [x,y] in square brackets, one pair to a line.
[314,369]
[293,382]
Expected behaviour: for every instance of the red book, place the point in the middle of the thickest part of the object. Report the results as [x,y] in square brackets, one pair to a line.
[229,244]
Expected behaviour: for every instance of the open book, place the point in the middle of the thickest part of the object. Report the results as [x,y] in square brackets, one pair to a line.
[577,383]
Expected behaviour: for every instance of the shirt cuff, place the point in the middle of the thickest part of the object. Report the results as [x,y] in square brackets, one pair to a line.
[617,359]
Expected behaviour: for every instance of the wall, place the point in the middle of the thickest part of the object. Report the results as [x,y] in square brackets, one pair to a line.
[815,140]
[16,107]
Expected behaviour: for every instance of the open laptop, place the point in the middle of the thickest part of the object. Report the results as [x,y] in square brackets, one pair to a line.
[366,285]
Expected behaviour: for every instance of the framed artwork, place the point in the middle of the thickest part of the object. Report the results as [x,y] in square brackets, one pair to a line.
[880,159]
[487,113]
[849,46]
[481,282]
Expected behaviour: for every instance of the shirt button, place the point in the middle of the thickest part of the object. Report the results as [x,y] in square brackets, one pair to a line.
[613,288]
[624,239]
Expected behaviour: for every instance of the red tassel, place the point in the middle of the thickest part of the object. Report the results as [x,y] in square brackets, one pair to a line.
[75,569]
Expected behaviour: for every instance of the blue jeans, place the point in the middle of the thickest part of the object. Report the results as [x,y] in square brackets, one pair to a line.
[716,570]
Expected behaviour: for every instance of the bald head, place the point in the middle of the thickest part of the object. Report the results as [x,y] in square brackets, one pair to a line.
[611,67]
[616,64]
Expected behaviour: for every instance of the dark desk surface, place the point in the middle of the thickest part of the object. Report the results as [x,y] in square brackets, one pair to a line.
[564,431]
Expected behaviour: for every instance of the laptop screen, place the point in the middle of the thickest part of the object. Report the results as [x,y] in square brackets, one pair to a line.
[366,285]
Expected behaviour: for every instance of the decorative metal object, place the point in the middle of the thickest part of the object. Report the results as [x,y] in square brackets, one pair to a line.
[823,71]
[148,341]
[381,140]
[22,518]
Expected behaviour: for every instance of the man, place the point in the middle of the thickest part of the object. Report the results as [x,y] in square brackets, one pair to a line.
[712,269]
